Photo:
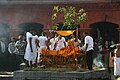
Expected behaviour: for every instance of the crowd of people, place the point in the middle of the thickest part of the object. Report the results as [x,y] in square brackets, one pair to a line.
[11,53]
[35,45]
[28,48]
[107,53]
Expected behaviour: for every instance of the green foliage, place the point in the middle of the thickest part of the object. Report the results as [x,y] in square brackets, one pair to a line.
[70,15]
[55,26]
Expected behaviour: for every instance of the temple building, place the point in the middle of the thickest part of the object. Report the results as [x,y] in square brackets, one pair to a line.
[16,16]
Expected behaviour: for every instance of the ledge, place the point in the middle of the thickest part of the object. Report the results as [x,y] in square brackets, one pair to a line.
[52,75]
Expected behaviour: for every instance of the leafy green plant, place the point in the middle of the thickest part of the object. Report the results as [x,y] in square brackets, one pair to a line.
[71,16]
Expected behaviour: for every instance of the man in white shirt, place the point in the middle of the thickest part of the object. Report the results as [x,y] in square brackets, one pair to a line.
[60,42]
[52,43]
[76,41]
[11,46]
[42,44]
[88,49]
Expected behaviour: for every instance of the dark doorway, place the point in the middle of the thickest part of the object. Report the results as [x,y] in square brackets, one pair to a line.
[107,30]
[4,30]
[27,26]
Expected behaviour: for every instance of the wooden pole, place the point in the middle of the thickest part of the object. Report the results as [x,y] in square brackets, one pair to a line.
[52,61]
[57,61]
[77,32]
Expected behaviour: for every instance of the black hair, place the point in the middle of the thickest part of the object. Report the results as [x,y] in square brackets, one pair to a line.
[86,33]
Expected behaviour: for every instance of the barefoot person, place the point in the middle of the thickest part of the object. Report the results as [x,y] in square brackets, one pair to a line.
[30,52]
[42,44]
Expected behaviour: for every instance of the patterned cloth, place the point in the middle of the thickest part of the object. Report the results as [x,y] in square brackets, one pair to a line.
[20,45]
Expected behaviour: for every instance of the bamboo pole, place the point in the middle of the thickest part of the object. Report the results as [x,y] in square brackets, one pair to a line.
[77,32]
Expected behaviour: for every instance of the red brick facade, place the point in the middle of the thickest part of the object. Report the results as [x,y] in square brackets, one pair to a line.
[16,14]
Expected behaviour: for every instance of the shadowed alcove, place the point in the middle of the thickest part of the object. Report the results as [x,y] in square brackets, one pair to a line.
[107,30]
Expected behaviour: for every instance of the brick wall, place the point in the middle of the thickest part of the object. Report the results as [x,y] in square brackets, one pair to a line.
[16,14]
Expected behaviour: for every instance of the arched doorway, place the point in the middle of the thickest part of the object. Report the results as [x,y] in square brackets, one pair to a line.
[24,27]
[107,30]
[4,32]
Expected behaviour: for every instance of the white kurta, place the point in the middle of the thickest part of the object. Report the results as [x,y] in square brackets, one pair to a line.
[52,41]
[60,43]
[42,44]
[117,66]
[34,47]
[28,53]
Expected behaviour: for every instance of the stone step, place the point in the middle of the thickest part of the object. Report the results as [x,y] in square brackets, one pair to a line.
[69,75]
[6,77]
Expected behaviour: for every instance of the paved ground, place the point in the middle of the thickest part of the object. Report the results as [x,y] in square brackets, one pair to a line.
[114,78]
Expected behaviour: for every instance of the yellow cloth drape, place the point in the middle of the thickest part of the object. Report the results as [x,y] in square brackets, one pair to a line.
[65,32]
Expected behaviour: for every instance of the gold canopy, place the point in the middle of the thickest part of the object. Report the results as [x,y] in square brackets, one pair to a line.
[65,32]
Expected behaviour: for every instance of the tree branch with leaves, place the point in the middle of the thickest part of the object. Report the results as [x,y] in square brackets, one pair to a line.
[70,15]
